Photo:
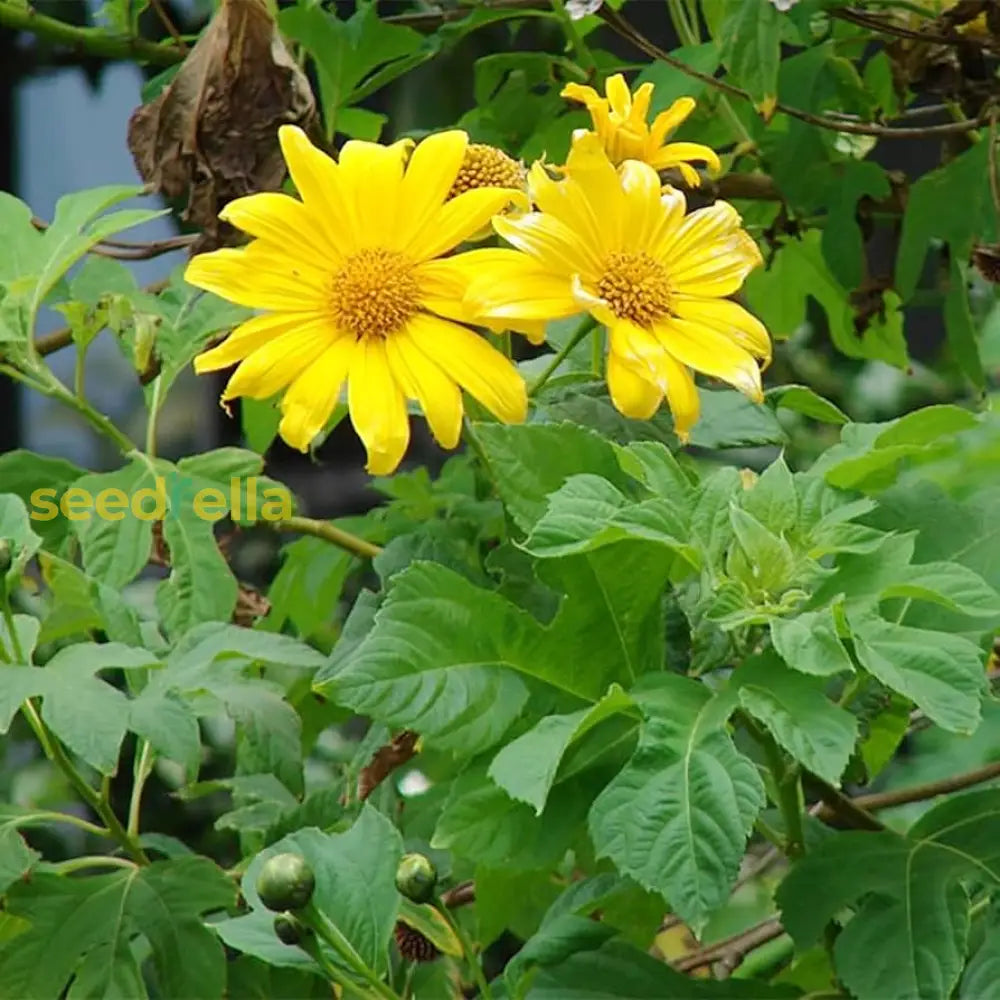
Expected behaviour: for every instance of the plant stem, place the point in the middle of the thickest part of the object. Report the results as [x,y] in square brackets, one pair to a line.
[92,41]
[467,949]
[92,861]
[143,769]
[329,533]
[315,918]
[47,816]
[787,787]
[597,352]
[586,325]
[576,40]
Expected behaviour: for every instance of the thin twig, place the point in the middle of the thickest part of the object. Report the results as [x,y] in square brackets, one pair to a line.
[459,895]
[902,796]
[874,22]
[169,25]
[617,23]
[838,806]
[732,950]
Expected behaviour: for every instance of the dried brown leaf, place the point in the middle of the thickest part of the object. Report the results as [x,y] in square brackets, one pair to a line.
[212,133]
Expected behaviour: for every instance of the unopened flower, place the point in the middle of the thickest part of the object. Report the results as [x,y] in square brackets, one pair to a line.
[355,294]
[619,121]
[610,243]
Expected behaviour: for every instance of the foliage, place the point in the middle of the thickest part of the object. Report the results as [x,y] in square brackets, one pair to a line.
[622,696]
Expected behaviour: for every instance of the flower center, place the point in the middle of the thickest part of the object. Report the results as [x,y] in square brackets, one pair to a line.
[635,287]
[374,293]
[487,166]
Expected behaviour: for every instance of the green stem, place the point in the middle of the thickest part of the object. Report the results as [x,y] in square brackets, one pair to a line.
[586,325]
[329,533]
[315,918]
[154,412]
[787,788]
[92,861]
[576,40]
[467,949]
[80,374]
[597,353]
[47,816]
[143,769]
[91,41]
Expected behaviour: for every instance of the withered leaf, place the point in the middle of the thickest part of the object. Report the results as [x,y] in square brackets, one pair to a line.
[212,133]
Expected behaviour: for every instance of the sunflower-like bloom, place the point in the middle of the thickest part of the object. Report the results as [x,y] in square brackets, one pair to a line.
[354,293]
[620,122]
[610,243]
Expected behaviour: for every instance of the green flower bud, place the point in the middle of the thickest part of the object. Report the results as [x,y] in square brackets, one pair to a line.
[286,882]
[416,877]
[289,930]
[5,556]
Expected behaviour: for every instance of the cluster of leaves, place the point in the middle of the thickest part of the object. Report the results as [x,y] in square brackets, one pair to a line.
[601,680]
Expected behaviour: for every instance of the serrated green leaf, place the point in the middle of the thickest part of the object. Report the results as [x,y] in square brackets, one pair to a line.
[960,327]
[676,819]
[809,643]
[944,675]
[73,917]
[170,727]
[802,399]
[526,767]
[39,480]
[772,499]
[750,49]
[16,858]
[816,732]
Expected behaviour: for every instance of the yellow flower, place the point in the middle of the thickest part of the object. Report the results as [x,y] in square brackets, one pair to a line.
[354,294]
[620,122]
[610,243]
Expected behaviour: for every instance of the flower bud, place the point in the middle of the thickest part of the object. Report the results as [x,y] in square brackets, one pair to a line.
[286,882]
[289,930]
[416,877]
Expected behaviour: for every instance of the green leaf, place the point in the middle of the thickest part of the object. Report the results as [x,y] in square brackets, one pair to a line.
[773,500]
[671,85]
[676,819]
[797,272]
[960,327]
[885,733]
[16,858]
[532,461]
[770,562]
[619,972]
[809,643]
[907,936]
[170,727]
[949,584]
[842,242]
[802,399]
[71,918]
[982,974]
[347,53]
[815,731]
[942,674]
[16,531]
[868,455]
[526,767]
[259,420]
[39,480]
[750,50]
[481,823]
[588,513]
[201,586]
[928,216]
[117,547]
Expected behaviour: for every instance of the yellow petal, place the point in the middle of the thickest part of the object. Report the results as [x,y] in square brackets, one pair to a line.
[666,121]
[709,276]
[270,368]
[552,243]
[421,379]
[478,368]
[373,175]
[682,397]
[443,282]
[729,319]
[717,225]
[317,179]
[310,399]
[429,177]
[619,96]
[632,394]
[683,152]
[459,219]
[378,410]
[282,221]
[247,337]
[577,92]
[640,104]
[568,203]
[643,207]
[706,350]
[589,168]
[258,280]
